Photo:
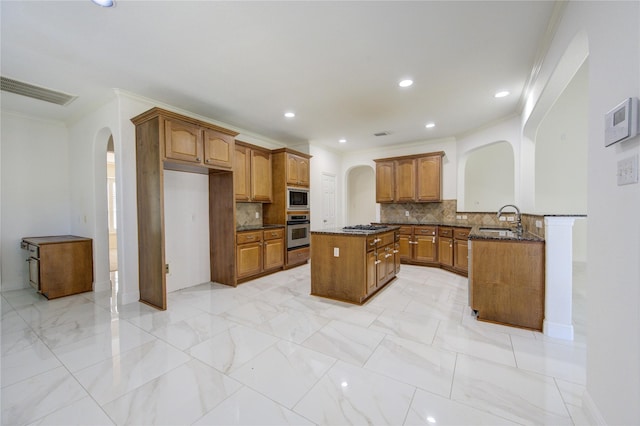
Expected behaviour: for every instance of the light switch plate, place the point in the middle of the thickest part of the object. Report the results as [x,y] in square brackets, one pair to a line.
[336,252]
[628,170]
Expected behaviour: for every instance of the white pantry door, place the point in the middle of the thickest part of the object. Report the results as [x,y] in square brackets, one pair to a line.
[328,201]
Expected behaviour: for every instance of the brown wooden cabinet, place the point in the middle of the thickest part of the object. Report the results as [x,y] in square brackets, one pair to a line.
[60,265]
[274,249]
[429,180]
[259,252]
[297,170]
[445,246]
[188,143]
[507,282]
[405,180]
[351,267]
[418,245]
[166,140]
[411,178]
[252,174]
[385,181]
[461,250]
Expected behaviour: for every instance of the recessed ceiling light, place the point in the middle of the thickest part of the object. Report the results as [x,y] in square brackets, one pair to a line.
[342,141]
[430,125]
[289,114]
[104,3]
[405,83]
[501,94]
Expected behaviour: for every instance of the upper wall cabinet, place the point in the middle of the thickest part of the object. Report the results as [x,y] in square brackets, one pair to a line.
[409,179]
[252,174]
[297,170]
[189,143]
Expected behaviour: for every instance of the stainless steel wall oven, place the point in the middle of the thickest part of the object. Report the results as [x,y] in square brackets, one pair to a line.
[298,227]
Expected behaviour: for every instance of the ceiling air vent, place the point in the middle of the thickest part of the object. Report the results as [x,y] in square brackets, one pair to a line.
[35,92]
[381,134]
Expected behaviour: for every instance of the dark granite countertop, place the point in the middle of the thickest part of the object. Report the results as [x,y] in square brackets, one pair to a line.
[257,227]
[356,233]
[447,224]
[501,234]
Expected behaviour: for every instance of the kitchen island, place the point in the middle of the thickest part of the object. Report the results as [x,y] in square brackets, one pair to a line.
[352,265]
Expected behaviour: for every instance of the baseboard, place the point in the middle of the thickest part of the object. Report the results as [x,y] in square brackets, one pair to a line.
[591,410]
[102,286]
[557,330]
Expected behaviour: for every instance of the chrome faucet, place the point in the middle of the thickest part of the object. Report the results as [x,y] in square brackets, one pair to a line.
[518,218]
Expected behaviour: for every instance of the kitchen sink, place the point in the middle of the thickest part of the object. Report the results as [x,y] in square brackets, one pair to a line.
[502,232]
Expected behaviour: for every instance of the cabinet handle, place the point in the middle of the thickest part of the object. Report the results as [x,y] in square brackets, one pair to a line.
[378,262]
[396,251]
[250,237]
[413,242]
[274,234]
[197,158]
[387,256]
[433,240]
[206,161]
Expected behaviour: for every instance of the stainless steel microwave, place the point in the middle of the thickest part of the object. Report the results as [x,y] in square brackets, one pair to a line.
[297,199]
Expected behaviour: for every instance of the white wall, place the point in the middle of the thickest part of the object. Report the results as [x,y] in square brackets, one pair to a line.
[186,225]
[361,195]
[35,189]
[489,178]
[612,33]
[324,161]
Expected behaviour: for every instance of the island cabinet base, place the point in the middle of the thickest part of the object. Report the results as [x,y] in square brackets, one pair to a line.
[350,267]
[507,282]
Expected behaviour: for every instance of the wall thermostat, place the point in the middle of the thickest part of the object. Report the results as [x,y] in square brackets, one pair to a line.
[621,123]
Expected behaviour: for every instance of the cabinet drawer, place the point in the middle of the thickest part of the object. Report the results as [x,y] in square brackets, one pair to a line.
[249,237]
[425,230]
[461,233]
[386,239]
[445,232]
[298,256]
[273,234]
[406,230]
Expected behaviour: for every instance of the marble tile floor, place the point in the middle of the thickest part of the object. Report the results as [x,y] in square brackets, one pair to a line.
[268,353]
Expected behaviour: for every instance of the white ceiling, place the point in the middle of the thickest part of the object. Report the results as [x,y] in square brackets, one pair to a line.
[336,64]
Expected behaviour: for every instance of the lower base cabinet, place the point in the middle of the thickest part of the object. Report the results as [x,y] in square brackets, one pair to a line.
[60,265]
[259,252]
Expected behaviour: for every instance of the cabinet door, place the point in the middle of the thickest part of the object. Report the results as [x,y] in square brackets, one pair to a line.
[273,254]
[445,251]
[396,257]
[381,267]
[384,182]
[218,149]
[261,176]
[182,141]
[429,181]
[461,255]
[249,259]
[390,265]
[372,281]
[404,247]
[297,170]
[425,250]
[241,170]
[405,179]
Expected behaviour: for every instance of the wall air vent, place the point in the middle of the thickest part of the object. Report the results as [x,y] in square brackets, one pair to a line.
[35,92]
[381,134]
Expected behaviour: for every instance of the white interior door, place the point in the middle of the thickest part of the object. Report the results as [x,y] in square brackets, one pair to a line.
[328,201]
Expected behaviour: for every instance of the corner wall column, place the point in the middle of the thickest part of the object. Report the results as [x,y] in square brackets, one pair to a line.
[558,277]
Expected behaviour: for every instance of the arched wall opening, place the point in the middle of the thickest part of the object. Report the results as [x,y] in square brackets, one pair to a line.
[361,195]
[106,229]
[488,177]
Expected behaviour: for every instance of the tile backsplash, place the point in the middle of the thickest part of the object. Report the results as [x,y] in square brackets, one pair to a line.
[246,214]
[445,212]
